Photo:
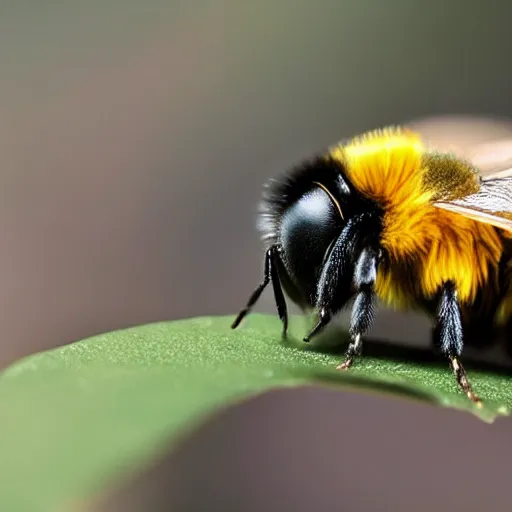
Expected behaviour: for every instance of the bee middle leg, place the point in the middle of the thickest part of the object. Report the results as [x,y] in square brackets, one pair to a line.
[363,313]
[450,337]
[363,310]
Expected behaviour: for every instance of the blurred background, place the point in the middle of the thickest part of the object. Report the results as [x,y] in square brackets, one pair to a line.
[134,141]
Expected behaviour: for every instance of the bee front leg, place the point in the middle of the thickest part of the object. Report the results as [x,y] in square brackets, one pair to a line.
[363,310]
[270,273]
[333,288]
[450,338]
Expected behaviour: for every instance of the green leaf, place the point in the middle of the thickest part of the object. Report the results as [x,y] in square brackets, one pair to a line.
[77,419]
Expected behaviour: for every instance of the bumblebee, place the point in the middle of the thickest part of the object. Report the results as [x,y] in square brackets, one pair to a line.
[383,216]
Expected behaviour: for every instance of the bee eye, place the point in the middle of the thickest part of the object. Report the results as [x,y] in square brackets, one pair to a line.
[308,228]
[311,220]
[333,199]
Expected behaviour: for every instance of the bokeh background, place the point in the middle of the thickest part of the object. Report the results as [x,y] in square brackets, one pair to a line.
[134,140]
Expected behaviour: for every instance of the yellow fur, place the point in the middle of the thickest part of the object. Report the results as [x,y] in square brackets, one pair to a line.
[435,245]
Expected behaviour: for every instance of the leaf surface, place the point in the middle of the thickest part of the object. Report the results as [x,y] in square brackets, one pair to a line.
[78,419]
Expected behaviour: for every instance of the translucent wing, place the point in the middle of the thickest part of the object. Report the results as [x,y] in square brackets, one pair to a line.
[492,204]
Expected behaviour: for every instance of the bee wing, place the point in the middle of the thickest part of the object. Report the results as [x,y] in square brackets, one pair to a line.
[492,204]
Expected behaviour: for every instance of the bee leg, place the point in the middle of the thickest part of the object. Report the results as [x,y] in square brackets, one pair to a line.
[270,273]
[333,289]
[282,310]
[363,313]
[324,317]
[462,378]
[449,326]
[363,310]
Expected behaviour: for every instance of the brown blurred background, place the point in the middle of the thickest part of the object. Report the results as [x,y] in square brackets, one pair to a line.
[134,140]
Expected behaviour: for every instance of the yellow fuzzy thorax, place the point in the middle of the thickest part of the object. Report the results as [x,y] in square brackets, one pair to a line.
[388,166]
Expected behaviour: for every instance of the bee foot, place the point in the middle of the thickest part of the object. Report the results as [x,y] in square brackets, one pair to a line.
[345,365]
[463,381]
